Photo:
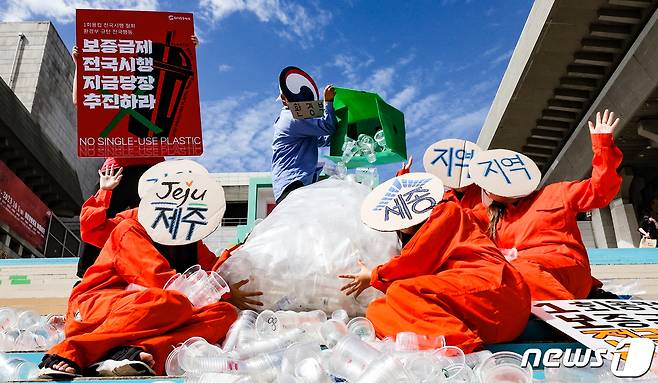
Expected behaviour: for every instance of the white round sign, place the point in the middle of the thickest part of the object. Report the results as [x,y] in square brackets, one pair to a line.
[505,173]
[449,159]
[402,202]
[182,209]
[165,169]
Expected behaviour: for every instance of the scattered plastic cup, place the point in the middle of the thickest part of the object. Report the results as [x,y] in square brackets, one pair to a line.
[362,328]
[8,318]
[410,341]
[386,369]
[504,367]
[172,364]
[16,369]
[246,321]
[340,315]
[351,357]
[27,319]
[333,331]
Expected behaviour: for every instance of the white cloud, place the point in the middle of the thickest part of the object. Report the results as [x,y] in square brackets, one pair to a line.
[502,57]
[224,67]
[237,132]
[402,98]
[63,11]
[298,21]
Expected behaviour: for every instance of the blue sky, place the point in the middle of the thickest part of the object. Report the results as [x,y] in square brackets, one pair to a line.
[440,61]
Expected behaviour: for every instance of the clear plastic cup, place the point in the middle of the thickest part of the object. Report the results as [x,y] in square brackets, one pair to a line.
[410,341]
[340,315]
[172,364]
[341,170]
[504,367]
[269,345]
[351,357]
[27,319]
[424,367]
[8,340]
[194,352]
[246,321]
[16,369]
[350,149]
[452,361]
[8,318]
[386,369]
[332,331]
[380,139]
[303,361]
[362,328]
[175,283]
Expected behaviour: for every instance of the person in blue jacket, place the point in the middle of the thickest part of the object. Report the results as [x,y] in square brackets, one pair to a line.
[296,141]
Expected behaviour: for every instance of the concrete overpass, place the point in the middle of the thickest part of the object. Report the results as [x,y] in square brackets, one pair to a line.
[574,58]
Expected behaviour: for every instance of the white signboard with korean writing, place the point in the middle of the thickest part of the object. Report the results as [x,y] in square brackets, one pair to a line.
[505,173]
[182,209]
[449,160]
[601,324]
[402,202]
[306,109]
[165,169]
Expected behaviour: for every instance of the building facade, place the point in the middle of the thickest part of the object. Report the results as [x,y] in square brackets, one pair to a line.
[41,171]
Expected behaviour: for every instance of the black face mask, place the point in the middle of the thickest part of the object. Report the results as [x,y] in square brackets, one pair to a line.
[181,257]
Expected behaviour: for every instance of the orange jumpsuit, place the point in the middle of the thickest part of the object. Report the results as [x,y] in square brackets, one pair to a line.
[543,228]
[102,315]
[95,227]
[450,280]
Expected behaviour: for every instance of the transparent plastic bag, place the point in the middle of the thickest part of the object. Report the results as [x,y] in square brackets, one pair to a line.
[295,254]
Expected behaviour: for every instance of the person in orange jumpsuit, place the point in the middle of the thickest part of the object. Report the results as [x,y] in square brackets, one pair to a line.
[103,316]
[542,226]
[117,192]
[449,280]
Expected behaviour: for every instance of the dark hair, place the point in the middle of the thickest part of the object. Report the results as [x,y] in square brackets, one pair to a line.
[495,211]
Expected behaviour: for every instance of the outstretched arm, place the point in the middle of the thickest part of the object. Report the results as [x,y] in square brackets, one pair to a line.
[95,227]
[599,190]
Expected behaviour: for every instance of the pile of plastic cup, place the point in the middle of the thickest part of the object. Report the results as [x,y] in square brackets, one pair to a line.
[202,288]
[28,331]
[308,347]
[365,145]
[16,369]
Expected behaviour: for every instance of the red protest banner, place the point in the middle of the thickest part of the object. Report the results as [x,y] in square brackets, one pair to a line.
[22,210]
[138,94]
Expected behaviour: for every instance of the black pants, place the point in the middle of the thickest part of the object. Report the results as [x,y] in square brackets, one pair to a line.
[294,185]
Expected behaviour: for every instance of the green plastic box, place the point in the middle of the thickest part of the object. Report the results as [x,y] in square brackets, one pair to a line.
[360,112]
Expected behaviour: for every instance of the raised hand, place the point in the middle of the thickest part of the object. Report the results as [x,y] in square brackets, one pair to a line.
[329,93]
[243,299]
[109,179]
[195,40]
[605,124]
[360,281]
